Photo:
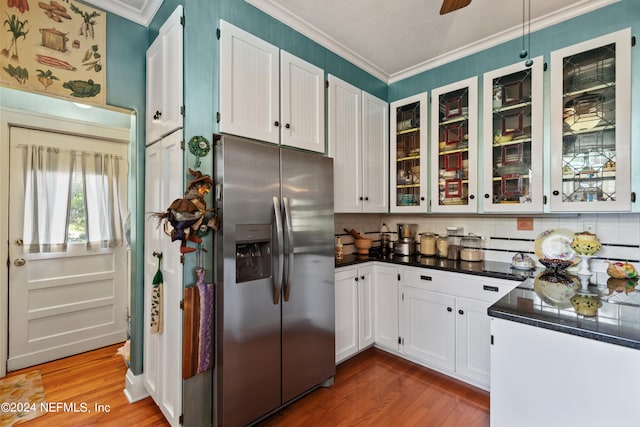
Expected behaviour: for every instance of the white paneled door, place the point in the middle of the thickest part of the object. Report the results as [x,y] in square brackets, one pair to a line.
[63,303]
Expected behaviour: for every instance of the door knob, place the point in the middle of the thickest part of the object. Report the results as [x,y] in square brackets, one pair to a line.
[19,262]
[19,242]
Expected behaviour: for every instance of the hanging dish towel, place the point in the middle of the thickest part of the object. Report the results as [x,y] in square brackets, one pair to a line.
[156,300]
[205,334]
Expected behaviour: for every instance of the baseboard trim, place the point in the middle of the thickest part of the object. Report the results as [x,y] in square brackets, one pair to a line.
[134,387]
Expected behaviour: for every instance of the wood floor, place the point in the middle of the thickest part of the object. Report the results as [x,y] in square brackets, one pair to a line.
[372,389]
[95,377]
[375,388]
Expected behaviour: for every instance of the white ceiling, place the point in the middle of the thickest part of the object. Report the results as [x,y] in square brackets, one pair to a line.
[395,39]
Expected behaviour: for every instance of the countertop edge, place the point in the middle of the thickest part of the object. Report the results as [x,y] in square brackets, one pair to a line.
[502,313]
[349,262]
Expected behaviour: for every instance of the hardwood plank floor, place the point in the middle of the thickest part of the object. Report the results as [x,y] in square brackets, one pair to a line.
[373,388]
[376,388]
[95,377]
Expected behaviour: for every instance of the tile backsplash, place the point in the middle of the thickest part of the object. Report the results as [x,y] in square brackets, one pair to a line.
[618,233]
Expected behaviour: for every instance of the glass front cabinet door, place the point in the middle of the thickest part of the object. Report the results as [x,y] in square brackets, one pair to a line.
[590,125]
[409,151]
[454,147]
[512,138]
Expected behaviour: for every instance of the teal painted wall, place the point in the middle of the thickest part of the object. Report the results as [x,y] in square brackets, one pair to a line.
[126,87]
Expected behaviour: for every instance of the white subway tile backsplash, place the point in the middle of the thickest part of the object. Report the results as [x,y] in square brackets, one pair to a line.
[619,233]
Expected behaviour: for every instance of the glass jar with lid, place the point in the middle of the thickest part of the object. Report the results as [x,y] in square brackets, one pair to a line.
[428,244]
[471,248]
[442,246]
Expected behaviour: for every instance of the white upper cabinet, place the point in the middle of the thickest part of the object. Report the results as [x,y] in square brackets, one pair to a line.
[513,138]
[358,142]
[164,105]
[454,145]
[268,94]
[375,154]
[590,125]
[408,188]
[301,103]
[249,85]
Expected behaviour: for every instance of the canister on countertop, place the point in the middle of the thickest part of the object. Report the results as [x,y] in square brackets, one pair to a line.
[428,244]
[471,248]
[442,245]
[453,250]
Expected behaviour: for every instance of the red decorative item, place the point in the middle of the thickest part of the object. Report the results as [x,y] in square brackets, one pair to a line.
[512,185]
[452,188]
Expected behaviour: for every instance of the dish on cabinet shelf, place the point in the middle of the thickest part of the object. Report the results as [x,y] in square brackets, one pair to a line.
[555,244]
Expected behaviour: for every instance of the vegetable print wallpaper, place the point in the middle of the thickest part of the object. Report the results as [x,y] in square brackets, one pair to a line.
[54,47]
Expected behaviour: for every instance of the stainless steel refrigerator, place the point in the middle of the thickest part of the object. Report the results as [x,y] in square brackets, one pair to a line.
[274,278]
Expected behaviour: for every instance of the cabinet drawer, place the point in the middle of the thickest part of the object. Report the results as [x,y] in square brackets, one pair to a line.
[481,288]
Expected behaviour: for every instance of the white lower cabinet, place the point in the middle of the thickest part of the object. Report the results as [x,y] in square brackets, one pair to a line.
[385,316]
[428,327]
[542,377]
[354,293]
[432,317]
[444,323]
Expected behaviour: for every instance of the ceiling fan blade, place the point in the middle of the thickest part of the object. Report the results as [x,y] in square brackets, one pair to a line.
[451,5]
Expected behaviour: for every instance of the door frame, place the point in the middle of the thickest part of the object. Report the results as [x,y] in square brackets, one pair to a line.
[20,118]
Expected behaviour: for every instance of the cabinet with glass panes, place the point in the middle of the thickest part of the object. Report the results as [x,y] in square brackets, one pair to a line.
[408,154]
[454,147]
[590,125]
[512,138]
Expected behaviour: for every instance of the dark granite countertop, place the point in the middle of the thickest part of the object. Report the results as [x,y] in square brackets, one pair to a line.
[548,305]
[499,270]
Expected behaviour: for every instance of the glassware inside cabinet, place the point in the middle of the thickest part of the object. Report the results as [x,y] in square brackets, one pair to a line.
[512,142]
[408,138]
[589,154]
[453,147]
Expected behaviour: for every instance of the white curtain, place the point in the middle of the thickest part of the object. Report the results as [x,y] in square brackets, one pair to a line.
[47,188]
[101,182]
[48,183]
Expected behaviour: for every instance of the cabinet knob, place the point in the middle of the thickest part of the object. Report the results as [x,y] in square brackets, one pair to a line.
[556,193]
[287,125]
[471,196]
[460,312]
[356,279]
[449,309]
[157,115]
[362,277]
[276,123]
[486,196]
[366,199]
[361,198]
[422,198]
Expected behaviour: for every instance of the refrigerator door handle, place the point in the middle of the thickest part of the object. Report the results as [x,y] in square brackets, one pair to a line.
[289,234]
[277,279]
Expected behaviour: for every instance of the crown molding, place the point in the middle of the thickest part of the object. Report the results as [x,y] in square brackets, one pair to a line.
[273,9]
[143,15]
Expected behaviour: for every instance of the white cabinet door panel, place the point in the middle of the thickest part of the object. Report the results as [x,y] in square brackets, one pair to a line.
[375,153]
[429,333]
[302,103]
[473,340]
[386,307]
[249,85]
[346,294]
[345,102]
